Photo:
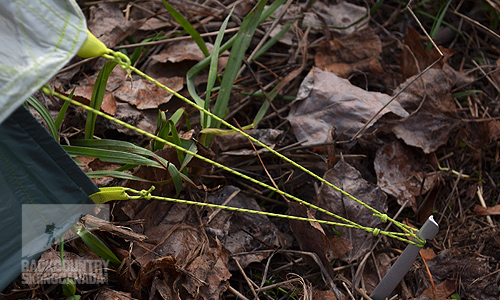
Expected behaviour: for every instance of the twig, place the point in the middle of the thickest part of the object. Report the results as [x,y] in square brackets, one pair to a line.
[237,294]
[246,279]
[486,75]
[483,204]
[477,24]
[212,216]
[175,39]
[412,81]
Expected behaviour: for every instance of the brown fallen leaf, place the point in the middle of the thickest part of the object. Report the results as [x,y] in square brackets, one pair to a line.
[470,268]
[496,74]
[318,294]
[487,211]
[177,58]
[148,271]
[339,17]
[237,141]
[414,58]
[442,291]
[312,238]
[209,273]
[325,100]
[434,115]
[481,134]
[180,258]
[107,22]
[83,94]
[400,173]
[145,94]
[349,179]
[358,51]
[107,294]
[427,253]
[241,232]
[84,267]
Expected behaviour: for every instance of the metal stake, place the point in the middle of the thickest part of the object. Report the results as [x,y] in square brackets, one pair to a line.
[427,232]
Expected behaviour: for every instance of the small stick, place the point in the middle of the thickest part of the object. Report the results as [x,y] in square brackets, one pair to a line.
[483,204]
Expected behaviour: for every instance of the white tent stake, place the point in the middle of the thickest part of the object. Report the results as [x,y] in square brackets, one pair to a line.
[427,232]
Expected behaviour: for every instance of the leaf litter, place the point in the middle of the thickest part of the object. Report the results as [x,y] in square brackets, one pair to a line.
[438,120]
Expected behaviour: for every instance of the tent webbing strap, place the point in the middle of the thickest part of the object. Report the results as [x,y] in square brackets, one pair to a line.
[124,62]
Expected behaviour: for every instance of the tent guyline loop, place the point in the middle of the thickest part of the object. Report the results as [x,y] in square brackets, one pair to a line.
[124,62]
[123,193]
[117,193]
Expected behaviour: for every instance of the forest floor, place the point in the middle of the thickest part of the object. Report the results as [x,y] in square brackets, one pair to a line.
[316,96]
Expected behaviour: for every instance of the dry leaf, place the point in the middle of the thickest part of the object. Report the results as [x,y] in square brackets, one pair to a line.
[148,271]
[180,51]
[84,267]
[349,179]
[471,268]
[109,294]
[145,94]
[427,253]
[487,211]
[481,134]
[177,58]
[312,238]
[442,291]
[83,94]
[183,255]
[211,268]
[326,100]
[237,141]
[241,232]
[339,17]
[434,113]
[322,294]
[414,58]
[400,173]
[107,22]
[359,51]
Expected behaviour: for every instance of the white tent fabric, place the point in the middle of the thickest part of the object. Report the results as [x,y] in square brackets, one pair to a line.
[37,38]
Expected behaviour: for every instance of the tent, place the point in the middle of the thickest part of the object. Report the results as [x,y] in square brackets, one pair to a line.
[43,191]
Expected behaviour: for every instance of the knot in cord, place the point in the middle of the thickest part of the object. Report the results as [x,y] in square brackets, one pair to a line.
[383,217]
[120,58]
[146,194]
[376,231]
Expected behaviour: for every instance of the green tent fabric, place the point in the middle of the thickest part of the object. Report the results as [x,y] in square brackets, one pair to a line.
[38,38]
[43,191]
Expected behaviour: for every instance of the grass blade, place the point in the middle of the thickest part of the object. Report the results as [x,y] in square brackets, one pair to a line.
[113,145]
[44,112]
[121,175]
[438,22]
[119,157]
[96,245]
[191,74]
[188,27]
[212,73]
[98,96]
[62,112]
[243,39]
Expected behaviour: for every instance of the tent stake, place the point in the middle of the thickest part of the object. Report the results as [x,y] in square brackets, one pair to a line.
[427,232]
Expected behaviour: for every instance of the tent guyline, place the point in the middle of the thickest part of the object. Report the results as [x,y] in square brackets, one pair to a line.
[122,193]
[124,63]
